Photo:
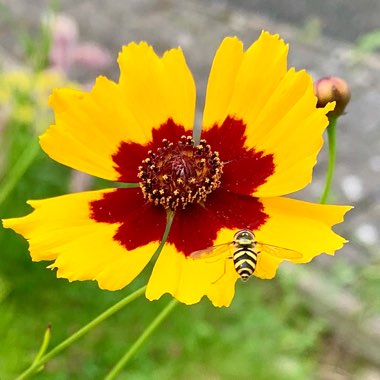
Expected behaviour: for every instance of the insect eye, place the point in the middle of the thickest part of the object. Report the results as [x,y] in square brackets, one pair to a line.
[244,234]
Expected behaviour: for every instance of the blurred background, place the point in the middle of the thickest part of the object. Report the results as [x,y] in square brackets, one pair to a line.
[320,321]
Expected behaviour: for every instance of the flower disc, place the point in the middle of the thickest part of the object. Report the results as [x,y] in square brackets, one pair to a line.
[178,174]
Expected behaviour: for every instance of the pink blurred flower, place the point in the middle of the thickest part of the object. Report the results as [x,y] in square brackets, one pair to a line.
[92,56]
[64,40]
[66,50]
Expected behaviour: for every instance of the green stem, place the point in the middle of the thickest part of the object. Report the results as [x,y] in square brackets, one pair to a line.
[169,221]
[18,170]
[44,345]
[155,323]
[141,340]
[127,185]
[331,134]
[39,361]
[84,330]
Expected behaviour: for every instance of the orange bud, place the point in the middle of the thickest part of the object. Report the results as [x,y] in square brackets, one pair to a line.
[330,89]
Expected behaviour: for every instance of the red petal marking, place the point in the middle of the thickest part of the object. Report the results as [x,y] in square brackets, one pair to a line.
[129,155]
[196,227]
[141,222]
[244,169]
[127,159]
[193,228]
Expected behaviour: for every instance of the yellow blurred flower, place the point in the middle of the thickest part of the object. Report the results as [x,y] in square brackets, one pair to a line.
[24,94]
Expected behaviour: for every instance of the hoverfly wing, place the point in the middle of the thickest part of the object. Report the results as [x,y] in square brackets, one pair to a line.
[214,252]
[280,252]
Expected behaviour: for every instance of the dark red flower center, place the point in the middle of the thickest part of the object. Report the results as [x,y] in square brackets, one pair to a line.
[179,173]
[230,206]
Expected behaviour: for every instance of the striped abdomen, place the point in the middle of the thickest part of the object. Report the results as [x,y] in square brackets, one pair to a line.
[245,259]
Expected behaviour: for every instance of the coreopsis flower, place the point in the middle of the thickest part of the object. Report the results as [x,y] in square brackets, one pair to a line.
[261,133]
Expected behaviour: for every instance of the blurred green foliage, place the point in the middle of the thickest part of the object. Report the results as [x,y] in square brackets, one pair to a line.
[369,42]
[267,333]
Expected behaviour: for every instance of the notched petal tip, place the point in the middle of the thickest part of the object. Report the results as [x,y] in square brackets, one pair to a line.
[185,300]
[190,280]
[219,299]
[62,98]
[175,53]
[8,223]
[232,40]
[137,48]
[338,217]
[266,36]
[301,226]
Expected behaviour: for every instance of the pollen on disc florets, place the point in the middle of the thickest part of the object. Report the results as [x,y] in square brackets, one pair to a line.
[180,173]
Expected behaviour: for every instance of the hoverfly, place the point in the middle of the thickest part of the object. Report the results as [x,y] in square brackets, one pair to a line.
[244,250]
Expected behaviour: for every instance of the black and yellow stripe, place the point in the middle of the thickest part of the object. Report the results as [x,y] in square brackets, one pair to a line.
[245,259]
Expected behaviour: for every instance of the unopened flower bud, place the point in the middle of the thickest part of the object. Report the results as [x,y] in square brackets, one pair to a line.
[330,89]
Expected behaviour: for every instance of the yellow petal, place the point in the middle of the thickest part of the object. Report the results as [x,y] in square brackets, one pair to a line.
[293,134]
[156,89]
[277,105]
[221,293]
[60,229]
[89,128]
[250,77]
[221,81]
[300,226]
[188,280]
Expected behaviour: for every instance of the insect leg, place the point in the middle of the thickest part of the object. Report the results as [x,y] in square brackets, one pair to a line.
[215,259]
[224,270]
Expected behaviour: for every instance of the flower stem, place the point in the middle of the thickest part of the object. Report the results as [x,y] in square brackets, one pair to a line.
[141,340]
[331,134]
[169,221]
[44,345]
[127,185]
[84,330]
[18,170]
[156,322]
